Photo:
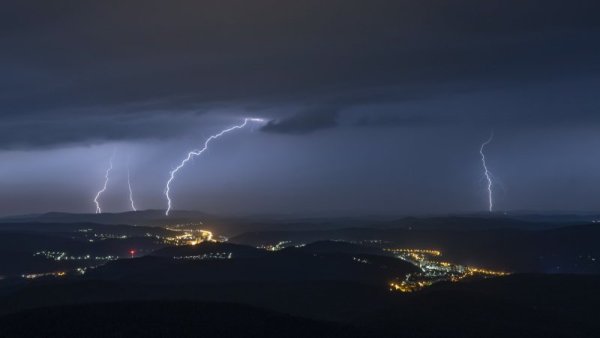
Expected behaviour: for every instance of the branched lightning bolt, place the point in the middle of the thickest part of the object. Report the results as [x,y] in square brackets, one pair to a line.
[194,153]
[106,178]
[487,173]
[130,190]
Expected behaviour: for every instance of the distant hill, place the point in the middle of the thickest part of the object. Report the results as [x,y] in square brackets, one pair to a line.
[143,217]
[148,218]
[466,223]
[572,249]
[67,229]
[230,226]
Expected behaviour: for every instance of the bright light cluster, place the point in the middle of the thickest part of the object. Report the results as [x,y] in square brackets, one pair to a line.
[188,235]
[275,247]
[207,256]
[434,270]
[62,256]
[45,274]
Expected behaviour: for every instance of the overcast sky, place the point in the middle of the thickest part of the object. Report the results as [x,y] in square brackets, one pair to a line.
[373,107]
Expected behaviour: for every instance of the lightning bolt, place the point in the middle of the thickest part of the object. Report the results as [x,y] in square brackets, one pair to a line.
[195,153]
[130,190]
[487,173]
[106,178]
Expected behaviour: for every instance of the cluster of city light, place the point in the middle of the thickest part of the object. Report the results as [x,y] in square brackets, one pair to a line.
[110,236]
[360,260]
[79,271]
[409,286]
[434,270]
[99,236]
[45,274]
[188,235]
[276,247]
[76,271]
[415,251]
[478,271]
[185,234]
[369,241]
[62,256]
[207,256]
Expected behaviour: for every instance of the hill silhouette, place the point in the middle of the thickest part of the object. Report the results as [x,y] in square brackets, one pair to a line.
[237,250]
[259,266]
[166,319]
[571,249]
[512,306]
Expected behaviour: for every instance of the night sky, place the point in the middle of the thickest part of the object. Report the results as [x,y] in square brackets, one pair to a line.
[374,107]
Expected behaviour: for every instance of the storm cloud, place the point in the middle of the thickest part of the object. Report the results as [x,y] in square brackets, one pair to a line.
[77,65]
[304,122]
[372,107]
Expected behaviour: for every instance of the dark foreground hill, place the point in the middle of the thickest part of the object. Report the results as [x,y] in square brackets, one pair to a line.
[514,306]
[166,319]
[207,248]
[518,306]
[292,265]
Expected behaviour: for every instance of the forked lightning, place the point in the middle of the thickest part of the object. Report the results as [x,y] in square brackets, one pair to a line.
[487,173]
[106,179]
[130,190]
[195,153]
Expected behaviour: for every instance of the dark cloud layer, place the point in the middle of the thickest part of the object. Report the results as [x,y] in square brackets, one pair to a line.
[386,102]
[304,122]
[69,67]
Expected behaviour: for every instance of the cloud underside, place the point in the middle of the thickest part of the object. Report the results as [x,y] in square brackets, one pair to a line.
[82,71]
